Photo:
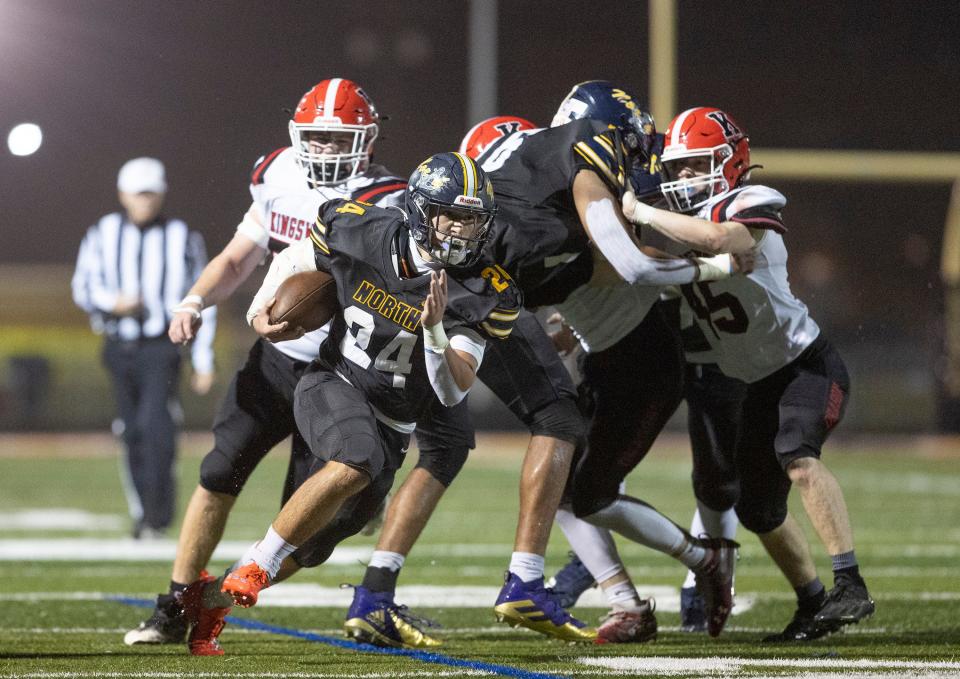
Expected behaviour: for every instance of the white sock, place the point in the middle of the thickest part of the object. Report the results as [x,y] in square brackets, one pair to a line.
[623,596]
[390,560]
[717,524]
[526,566]
[644,524]
[594,545]
[269,553]
[696,528]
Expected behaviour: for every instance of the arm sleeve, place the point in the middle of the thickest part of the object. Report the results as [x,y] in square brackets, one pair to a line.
[630,263]
[252,226]
[90,291]
[438,370]
[201,352]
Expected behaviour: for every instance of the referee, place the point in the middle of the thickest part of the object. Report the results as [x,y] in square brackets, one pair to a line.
[133,269]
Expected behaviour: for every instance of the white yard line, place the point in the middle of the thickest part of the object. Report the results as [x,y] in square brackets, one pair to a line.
[126,549]
[269,675]
[718,666]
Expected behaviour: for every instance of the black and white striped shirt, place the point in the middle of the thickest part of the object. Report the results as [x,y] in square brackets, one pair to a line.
[158,263]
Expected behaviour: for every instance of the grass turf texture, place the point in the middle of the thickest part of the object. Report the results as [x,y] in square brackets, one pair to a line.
[905,506]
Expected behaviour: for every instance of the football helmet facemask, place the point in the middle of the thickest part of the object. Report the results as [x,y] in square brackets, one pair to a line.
[450,207]
[332,131]
[488,131]
[715,151]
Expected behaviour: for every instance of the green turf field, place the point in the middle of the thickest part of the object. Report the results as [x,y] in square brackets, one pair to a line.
[62,613]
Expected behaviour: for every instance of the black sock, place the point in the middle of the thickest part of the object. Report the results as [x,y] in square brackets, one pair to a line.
[378,579]
[810,597]
[177,587]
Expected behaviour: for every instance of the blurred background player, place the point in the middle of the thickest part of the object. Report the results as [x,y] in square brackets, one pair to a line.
[133,268]
[797,384]
[332,131]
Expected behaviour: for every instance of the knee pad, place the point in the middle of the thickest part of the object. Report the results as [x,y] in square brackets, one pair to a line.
[560,419]
[219,474]
[443,465]
[759,516]
[718,495]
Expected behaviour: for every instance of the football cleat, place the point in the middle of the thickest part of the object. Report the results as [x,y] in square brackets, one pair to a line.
[629,627]
[848,602]
[245,583]
[205,623]
[693,614]
[802,627]
[715,581]
[166,625]
[570,582]
[530,605]
[374,618]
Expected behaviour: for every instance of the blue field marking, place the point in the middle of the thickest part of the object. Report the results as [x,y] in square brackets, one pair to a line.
[422,656]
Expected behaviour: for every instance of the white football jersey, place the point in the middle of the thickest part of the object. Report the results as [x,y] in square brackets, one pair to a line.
[754,322]
[286,207]
[601,316]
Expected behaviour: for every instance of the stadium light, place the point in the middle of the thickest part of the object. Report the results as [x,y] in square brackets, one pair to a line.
[24,139]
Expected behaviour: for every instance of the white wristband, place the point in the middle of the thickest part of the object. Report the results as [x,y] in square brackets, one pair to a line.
[192,299]
[714,268]
[636,211]
[435,338]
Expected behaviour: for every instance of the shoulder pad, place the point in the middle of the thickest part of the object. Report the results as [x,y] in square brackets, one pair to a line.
[757,207]
[263,162]
[499,322]
[597,151]
[380,189]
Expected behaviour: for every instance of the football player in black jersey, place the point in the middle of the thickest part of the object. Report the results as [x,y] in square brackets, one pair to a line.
[559,191]
[356,405]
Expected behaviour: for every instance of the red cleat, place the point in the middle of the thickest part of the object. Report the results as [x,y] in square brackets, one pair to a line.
[205,623]
[245,583]
[715,581]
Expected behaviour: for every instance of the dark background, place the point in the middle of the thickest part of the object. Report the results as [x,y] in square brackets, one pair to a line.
[204,85]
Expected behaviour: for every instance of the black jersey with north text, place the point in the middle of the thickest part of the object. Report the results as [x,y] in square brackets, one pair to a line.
[376,341]
[538,233]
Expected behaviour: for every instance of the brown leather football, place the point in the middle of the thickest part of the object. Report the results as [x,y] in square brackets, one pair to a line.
[306,300]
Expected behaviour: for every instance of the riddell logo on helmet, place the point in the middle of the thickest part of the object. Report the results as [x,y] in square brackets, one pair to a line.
[468,201]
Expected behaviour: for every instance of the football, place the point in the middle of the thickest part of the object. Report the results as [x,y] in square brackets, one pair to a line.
[306,300]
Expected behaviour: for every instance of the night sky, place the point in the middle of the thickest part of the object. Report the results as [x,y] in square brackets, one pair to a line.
[204,85]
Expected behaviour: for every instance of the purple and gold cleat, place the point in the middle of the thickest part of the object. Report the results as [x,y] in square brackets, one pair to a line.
[529,604]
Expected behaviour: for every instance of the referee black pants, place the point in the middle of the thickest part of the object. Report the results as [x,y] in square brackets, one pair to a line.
[145,375]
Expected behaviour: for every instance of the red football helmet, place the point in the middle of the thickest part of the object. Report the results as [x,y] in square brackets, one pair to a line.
[484,133]
[703,133]
[332,131]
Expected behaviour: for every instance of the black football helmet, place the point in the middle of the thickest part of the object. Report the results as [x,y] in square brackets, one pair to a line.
[450,187]
[602,100]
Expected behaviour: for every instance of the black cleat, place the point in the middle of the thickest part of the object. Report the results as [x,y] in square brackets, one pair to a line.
[167,625]
[848,602]
[803,627]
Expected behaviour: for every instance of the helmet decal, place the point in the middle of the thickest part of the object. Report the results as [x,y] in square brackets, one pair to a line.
[432,181]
